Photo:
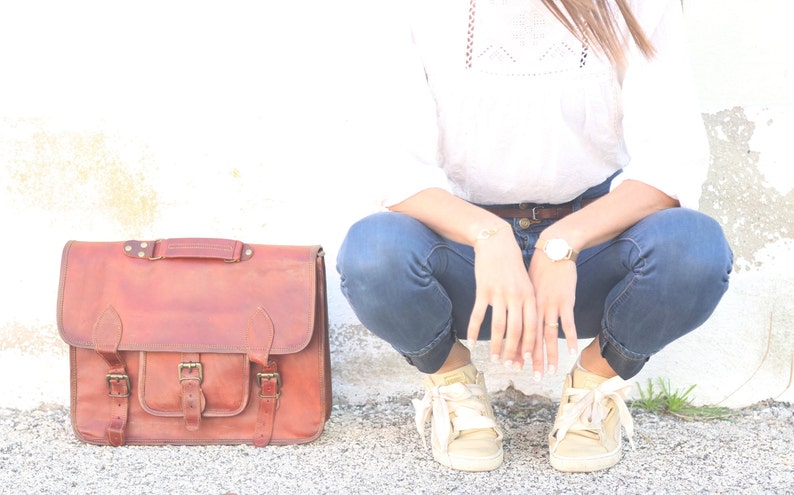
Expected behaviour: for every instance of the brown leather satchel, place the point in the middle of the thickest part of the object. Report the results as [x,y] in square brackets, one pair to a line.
[195,341]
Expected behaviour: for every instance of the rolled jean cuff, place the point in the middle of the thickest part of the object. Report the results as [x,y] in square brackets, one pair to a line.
[431,358]
[625,363]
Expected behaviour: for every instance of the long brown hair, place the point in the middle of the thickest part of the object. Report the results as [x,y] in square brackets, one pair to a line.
[594,22]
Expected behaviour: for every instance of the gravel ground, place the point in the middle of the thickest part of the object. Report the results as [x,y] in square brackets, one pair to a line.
[374,448]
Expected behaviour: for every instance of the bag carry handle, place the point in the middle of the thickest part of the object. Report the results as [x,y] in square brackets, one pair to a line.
[200,247]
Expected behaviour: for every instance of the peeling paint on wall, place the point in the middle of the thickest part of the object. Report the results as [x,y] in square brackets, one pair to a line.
[38,340]
[752,212]
[78,173]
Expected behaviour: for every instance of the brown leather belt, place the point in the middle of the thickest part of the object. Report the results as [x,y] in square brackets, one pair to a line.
[535,213]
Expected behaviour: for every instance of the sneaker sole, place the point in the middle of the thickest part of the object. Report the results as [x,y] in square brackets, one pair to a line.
[587,465]
[471,464]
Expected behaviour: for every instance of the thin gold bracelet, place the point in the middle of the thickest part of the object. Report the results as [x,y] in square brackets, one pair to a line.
[487,233]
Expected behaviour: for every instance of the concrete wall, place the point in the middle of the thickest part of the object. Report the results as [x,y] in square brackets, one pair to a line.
[158,120]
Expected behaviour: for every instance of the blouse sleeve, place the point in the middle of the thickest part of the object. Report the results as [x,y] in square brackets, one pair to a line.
[663,127]
[407,136]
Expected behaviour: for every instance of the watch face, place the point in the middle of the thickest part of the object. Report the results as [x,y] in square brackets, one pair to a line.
[556,249]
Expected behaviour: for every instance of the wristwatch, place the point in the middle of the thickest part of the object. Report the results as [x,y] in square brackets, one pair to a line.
[557,250]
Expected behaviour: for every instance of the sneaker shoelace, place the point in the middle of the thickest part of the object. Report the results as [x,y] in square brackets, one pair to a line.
[585,409]
[453,409]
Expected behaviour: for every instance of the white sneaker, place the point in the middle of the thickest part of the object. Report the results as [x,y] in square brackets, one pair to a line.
[464,434]
[587,433]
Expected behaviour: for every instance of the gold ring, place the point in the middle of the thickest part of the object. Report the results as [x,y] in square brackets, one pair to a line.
[553,325]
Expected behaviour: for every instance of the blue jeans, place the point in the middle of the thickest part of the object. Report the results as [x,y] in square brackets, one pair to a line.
[657,281]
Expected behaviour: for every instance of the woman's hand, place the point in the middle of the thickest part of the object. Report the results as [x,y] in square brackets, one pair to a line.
[555,292]
[502,283]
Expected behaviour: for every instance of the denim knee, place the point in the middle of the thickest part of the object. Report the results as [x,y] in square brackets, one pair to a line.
[370,249]
[682,264]
[698,249]
[387,278]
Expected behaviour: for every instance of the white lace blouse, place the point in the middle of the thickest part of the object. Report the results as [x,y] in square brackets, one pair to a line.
[495,101]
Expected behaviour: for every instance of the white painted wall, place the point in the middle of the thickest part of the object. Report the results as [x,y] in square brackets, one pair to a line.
[152,119]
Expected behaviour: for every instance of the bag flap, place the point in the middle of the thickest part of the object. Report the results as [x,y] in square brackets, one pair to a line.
[189,304]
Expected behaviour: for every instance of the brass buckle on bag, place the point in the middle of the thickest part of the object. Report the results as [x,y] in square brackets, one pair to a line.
[191,366]
[118,379]
[260,377]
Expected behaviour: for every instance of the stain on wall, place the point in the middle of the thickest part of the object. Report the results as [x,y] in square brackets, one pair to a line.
[79,173]
[752,213]
[32,339]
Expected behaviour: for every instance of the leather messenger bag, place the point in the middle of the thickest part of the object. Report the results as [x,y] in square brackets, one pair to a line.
[195,341]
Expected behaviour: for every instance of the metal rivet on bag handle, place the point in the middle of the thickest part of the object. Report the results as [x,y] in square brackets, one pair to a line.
[144,244]
[128,248]
[141,254]
[248,252]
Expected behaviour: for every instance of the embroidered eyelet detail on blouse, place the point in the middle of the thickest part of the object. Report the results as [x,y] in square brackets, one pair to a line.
[470,35]
[519,38]
[583,60]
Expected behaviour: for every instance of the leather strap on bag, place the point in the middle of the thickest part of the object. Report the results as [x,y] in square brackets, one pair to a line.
[106,338]
[205,248]
[259,339]
[269,381]
[191,374]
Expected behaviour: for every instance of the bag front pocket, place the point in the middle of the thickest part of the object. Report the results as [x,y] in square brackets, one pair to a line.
[171,384]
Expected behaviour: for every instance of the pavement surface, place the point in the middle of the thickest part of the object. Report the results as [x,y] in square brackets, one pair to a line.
[374,448]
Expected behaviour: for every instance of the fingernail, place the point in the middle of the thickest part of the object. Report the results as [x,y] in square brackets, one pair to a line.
[471,343]
[537,376]
[572,351]
[508,363]
[527,356]
[494,358]
[518,366]
[551,369]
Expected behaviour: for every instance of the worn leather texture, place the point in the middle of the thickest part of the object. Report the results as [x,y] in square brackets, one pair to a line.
[194,347]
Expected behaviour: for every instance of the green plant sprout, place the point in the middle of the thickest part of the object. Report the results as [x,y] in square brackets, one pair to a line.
[676,403]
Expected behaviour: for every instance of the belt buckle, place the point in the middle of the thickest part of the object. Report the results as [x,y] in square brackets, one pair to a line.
[118,378]
[261,377]
[535,213]
[191,366]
